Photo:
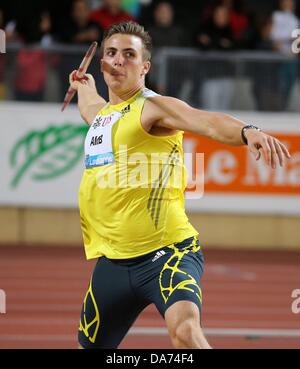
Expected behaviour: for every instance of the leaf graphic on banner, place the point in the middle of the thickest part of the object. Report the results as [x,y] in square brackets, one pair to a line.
[49,153]
[59,161]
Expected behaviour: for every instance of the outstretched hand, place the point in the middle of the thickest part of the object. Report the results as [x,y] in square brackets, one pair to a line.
[273,150]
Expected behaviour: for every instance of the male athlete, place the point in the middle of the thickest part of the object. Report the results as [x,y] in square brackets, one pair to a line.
[134,223]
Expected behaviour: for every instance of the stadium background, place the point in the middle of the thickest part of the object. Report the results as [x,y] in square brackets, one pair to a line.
[248,218]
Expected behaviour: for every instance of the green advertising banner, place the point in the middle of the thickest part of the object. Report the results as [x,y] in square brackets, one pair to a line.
[42,160]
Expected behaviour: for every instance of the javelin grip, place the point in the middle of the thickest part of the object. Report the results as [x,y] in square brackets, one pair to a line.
[86,61]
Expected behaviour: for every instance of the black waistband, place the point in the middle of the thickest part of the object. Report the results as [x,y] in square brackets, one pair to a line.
[141,258]
[137,259]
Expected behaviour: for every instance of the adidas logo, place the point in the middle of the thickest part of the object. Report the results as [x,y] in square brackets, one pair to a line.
[125,110]
[158,255]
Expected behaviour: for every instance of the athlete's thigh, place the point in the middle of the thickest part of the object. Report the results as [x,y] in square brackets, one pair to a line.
[109,307]
[180,272]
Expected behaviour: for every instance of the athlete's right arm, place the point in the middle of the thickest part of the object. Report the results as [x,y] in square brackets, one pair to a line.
[89,101]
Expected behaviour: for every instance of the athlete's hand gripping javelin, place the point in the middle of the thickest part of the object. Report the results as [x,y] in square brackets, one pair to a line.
[79,74]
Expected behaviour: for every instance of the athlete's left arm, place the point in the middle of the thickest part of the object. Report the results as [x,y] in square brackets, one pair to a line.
[175,114]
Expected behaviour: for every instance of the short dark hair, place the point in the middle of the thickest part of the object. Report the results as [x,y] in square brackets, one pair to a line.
[130,28]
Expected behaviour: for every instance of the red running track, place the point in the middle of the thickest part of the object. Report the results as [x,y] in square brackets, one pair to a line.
[241,290]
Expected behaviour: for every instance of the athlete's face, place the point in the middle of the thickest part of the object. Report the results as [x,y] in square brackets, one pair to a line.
[123,65]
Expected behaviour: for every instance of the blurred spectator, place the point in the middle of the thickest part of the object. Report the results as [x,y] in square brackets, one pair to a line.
[285,22]
[35,30]
[209,9]
[217,90]
[264,34]
[79,28]
[217,34]
[31,63]
[164,32]
[266,74]
[239,21]
[109,13]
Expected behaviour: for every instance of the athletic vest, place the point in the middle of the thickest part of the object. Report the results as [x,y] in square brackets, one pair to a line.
[131,196]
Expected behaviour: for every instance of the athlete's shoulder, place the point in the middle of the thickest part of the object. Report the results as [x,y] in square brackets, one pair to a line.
[166,111]
[164,103]
[146,92]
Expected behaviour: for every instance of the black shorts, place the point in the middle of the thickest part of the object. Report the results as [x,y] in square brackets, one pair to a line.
[120,289]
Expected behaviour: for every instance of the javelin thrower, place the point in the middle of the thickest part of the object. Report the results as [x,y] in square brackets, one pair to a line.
[127,227]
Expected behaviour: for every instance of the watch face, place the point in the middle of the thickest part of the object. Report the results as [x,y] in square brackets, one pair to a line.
[244,129]
[252,127]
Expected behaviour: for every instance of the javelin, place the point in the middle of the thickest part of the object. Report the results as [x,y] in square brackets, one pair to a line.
[80,73]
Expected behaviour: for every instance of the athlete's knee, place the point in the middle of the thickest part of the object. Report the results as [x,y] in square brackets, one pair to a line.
[183,322]
[184,334]
[188,334]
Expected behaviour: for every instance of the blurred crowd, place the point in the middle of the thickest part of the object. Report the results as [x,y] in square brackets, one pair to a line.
[215,25]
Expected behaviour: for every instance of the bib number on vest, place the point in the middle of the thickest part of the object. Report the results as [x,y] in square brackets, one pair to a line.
[98,142]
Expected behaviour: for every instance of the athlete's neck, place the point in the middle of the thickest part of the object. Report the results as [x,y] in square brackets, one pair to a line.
[117,98]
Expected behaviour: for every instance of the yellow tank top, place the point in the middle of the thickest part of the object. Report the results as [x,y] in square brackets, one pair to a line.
[131,195]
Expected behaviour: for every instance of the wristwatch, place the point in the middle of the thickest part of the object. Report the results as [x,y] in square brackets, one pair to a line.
[244,129]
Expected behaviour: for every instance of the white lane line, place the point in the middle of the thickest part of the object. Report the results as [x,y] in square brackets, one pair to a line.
[151,331]
[224,332]
[263,333]
[38,338]
[13,321]
[43,308]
